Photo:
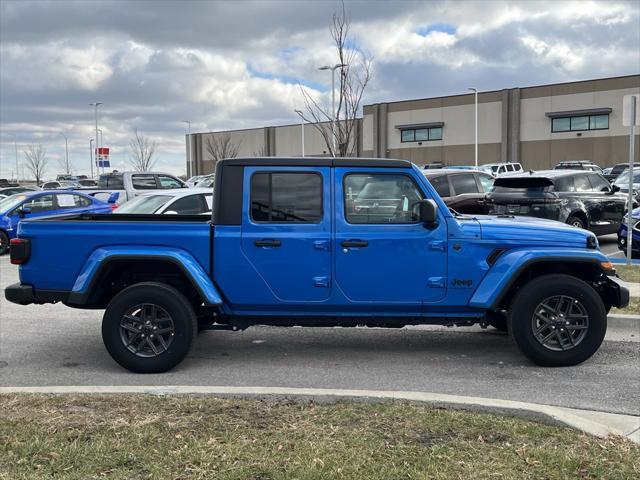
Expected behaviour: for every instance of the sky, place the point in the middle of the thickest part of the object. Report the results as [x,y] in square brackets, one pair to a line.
[241,64]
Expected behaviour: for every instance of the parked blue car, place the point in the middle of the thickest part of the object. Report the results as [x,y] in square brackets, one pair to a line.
[622,234]
[40,204]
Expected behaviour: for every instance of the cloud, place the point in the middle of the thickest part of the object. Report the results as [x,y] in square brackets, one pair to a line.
[226,65]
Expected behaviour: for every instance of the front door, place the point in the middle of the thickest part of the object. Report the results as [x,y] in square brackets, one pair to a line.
[383,254]
[286,231]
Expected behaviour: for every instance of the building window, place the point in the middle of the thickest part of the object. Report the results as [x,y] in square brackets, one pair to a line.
[578,124]
[420,134]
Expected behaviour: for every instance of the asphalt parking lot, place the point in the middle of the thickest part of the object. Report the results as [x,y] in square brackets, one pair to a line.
[55,345]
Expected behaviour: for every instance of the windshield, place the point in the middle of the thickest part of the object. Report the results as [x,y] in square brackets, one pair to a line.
[144,204]
[9,203]
[624,178]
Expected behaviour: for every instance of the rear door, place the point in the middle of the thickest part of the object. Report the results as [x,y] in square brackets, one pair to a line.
[286,230]
[383,254]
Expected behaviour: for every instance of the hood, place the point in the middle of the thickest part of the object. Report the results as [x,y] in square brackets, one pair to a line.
[532,231]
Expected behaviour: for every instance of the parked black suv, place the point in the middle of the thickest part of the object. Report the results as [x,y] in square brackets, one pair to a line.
[580,198]
[462,190]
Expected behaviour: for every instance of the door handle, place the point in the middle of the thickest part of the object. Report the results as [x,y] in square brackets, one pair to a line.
[355,243]
[267,242]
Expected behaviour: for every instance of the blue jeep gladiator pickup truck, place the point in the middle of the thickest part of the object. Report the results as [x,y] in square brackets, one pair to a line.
[319,242]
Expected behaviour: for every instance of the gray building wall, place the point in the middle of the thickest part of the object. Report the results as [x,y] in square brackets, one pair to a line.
[513,126]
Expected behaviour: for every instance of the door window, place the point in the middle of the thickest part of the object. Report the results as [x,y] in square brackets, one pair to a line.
[441,184]
[486,182]
[191,205]
[381,198]
[169,182]
[288,197]
[599,184]
[39,204]
[582,183]
[464,183]
[144,182]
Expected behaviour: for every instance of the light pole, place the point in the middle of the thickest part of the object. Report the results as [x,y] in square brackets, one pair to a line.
[66,154]
[333,100]
[189,160]
[96,105]
[17,171]
[91,155]
[299,112]
[475,92]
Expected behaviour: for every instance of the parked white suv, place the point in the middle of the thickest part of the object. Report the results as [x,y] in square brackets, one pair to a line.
[497,169]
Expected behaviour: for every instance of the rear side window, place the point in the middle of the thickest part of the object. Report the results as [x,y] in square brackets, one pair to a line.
[465,183]
[381,198]
[486,181]
[144,182]
[66,200]
[111,181]
[287,197]
[441,184]
[582,183]
[564,184]
[191,205]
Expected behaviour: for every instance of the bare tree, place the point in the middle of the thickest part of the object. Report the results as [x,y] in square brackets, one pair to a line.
[353,81]
[36,159]
[221,146]
[142,152]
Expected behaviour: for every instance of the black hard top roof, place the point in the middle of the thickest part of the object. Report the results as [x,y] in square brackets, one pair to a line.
[315,162]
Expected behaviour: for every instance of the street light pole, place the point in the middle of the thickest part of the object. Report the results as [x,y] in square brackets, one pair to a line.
[96,105]
[91,155]
[66,154]
[475,92]
[299,112]
[17,171]
[333,100]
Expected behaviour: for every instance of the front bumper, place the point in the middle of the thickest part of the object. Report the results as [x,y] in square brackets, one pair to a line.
[26,295]
[617,292]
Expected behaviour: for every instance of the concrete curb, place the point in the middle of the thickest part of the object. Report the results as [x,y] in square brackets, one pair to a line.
[595,423]
[619,320]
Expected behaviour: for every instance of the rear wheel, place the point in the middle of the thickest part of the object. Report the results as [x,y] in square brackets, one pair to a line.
[149,327]
[557,320]
[576,222]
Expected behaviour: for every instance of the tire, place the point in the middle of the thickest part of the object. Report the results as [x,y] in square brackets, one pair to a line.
[498,321]
[533,306]
[4,242]
[576,222]
[133,341]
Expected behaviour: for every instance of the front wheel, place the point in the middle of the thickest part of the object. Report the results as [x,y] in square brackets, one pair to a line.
[576,222]
[557,320]
[149,327]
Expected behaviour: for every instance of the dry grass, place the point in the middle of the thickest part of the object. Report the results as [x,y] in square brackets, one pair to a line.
[185,437]
[629,273]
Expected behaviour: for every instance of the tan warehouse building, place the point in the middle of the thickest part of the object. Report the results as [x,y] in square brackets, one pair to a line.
[536,126]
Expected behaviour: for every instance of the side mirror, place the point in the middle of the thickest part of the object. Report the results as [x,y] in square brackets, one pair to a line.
[428,212]
[615,188]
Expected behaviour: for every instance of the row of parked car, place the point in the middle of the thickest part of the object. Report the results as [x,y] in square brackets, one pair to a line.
[581,197]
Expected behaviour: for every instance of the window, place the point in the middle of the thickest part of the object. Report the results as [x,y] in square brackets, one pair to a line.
[144,182]
[381,198]
[582,183]
[420,134]
[599,184]
[486,182]
[66,200]
[190,205]
[577,124]
[39,204]
[286,197]
[111,181]
[564,184]
[464,183]
[51,185]
[169,182]
[441,184]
